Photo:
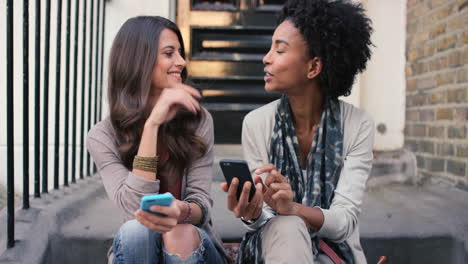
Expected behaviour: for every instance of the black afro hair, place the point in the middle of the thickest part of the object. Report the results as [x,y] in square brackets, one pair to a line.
[338,32]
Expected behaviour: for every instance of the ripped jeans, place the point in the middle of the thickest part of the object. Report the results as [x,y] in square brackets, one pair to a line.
[134,243]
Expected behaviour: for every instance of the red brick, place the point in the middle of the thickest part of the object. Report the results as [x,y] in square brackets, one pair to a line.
[458,132]
[462,75]
[427,147]
[438,63]
[445,78]
[412,3]
[454,59]
[435,3]
[425,83]
[429,50]
[445,149]
[447,43]
[465,56]
[437,98]
[427,21]
[437,131]
[444,114]
[418,131]
[415,54]
[462,151]
[456,167]
[411,28]
[457,23]
[437,30]
[411,84]
[434,165]
[443,12]
[412,115]
[419,99]
[426,115]
[408,71]
[421,10]
[461,114]
[421,37]
[456,95]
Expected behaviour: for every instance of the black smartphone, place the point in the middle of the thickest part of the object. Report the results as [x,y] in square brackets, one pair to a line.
[240,170]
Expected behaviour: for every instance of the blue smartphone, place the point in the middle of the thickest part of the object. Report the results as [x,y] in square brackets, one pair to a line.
[147,201]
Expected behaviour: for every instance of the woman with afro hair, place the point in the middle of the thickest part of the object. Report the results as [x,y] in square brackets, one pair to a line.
[310,153]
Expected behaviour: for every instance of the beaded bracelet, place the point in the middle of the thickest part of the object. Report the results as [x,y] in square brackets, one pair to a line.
[189,214]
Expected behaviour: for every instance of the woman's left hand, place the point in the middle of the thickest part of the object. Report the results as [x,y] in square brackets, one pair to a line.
[161,224]
[278,195]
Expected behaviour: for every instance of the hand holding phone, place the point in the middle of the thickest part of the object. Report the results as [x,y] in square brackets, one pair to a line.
[238,169]
[147,201]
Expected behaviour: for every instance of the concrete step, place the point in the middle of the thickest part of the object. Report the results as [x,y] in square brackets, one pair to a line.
[408,223]
[393,167]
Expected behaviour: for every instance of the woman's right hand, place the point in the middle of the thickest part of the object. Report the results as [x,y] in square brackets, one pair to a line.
[242,207]
[160,224]
[171,100]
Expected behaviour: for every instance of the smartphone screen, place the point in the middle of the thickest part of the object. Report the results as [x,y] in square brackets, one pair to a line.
[240,170]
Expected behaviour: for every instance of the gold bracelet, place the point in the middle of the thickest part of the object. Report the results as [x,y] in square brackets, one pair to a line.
[146,163]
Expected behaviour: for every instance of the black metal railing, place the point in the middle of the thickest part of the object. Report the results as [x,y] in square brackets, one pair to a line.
[90,94]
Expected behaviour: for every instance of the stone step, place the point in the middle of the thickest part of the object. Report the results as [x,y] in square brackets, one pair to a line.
[393,167]
[406,223]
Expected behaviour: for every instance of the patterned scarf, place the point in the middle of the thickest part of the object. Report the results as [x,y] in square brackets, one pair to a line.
[324,163]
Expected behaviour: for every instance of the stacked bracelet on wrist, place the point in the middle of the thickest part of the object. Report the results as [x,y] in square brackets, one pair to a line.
[146,163]
[189,214]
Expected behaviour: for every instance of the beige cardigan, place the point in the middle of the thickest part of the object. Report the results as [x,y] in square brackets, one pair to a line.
[341,220]
[126,189]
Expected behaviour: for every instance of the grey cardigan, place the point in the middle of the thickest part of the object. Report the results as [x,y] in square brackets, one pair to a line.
[341,219]
[126,189]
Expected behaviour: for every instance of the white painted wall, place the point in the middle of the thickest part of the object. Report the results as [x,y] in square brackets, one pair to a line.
[117,12]
[382,91]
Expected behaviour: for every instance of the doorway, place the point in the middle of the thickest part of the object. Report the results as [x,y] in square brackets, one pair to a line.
[225,42]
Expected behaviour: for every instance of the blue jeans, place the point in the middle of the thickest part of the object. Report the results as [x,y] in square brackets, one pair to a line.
[134,243]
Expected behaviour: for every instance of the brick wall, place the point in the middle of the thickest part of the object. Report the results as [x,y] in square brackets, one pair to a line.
[437,88]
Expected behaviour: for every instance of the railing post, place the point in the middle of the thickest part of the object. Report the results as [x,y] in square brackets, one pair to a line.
[83,83]
[75,89]
[45,141]
[90,84]
[26,104]
[10,129]
[96,71]
[67,95]
[57,94]
[102,56]
[96,63]
[37,102]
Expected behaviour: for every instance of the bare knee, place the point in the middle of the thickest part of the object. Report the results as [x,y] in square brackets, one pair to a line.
[182,240]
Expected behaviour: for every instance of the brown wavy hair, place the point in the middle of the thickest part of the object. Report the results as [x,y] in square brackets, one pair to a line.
[132,60]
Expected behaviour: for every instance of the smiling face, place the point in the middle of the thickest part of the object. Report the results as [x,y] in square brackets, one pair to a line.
[169,63]
[287,64]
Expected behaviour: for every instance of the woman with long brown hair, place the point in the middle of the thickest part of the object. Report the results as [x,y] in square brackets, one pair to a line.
[157,139]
